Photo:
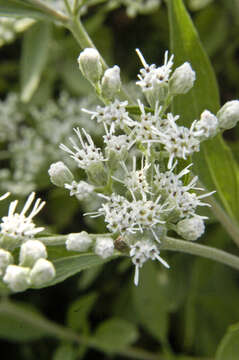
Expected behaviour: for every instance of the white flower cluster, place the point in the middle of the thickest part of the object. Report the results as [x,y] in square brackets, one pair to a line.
[9,27]
[145,190]
[18,231]
[31,149]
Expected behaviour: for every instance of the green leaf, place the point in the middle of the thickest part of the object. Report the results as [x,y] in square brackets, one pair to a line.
[228,348]
[16,8]
[150,302]
[21,322]
[34,57]
[215,164]
[114,335]
[79,311]
[65,352]
[73,264]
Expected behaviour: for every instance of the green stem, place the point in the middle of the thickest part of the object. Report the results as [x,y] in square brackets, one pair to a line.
[228,224]
[200,250]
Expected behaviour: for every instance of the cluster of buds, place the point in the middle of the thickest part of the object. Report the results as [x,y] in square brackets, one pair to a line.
[144,190]
[18,231]
[107,83]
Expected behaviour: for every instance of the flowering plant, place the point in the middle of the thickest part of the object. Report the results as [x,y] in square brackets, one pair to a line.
[144,163]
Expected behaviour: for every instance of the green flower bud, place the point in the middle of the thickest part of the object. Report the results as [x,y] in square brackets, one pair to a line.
[42,272]
[228,115]
[78,242]
[90,64]
[182,79]
[60,174]
[111,82]
[191,229]
[31,251]
[17,278]
[5,260]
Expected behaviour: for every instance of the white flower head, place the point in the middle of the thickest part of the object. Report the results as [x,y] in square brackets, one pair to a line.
[86,155]
[104,247]
[140,252]
[78,242]
[42,272]
[31,251]
[154,80]
[17,278]
[207,126]
[114,113]
[81,189]
[20,226]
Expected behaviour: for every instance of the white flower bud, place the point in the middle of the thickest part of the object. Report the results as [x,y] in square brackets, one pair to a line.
[207,126]
[5,260]
[42,272]
[191,229]
[31,251]
[104,247]
[111,82]
[60,174]
[90,64]
[228,115]
[17,277]
[182,79]
[78,242]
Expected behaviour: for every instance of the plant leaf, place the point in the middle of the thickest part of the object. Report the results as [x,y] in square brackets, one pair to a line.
[34,56]
[115,334]
[150,302]
[215,164]
[229,346]
[16,8]
[21,322]
[73,264]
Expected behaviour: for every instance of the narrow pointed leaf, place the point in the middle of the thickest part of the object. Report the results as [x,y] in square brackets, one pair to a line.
[16,8]
[228,348]
[34,57]
[214,164]
[71,265]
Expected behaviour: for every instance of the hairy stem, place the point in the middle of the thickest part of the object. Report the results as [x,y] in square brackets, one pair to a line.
[208,252]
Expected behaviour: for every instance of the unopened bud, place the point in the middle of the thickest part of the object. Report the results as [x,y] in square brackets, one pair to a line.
[78,242]
[31,251]
[191,229]
[207,126]
[17,277]
[90,64]
[111,82]
[60,174]
[182,79]
[228,115]
[104,247]
[42,272]
[5,260]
